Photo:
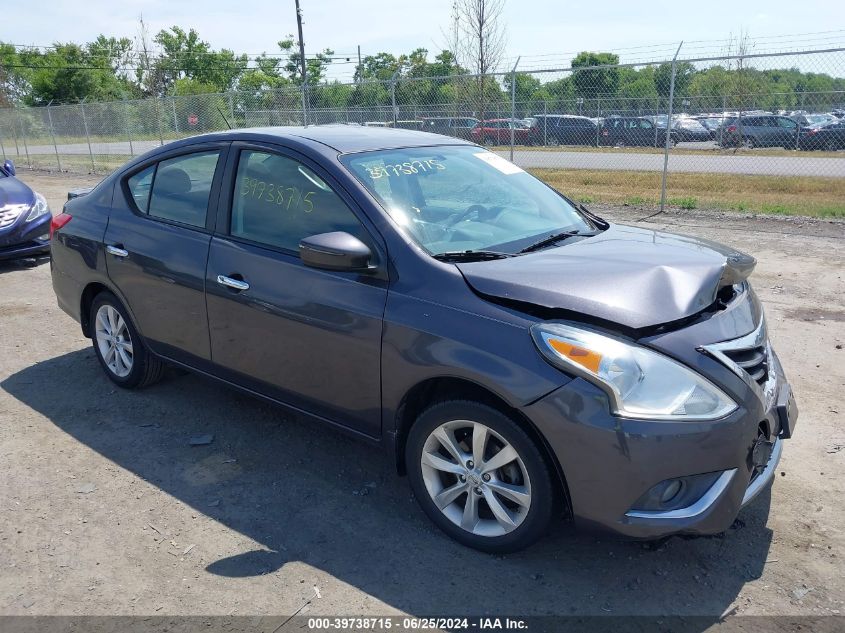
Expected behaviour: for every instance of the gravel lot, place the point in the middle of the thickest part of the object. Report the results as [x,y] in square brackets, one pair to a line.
[105,508]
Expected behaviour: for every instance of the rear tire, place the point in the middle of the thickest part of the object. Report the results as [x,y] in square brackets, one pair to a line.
[479,476]
[118,346]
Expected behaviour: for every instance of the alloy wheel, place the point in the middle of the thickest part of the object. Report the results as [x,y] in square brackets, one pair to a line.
[476,478]
[114,341]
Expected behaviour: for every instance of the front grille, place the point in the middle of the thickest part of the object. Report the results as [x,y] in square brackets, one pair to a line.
[752,361]
[8,217]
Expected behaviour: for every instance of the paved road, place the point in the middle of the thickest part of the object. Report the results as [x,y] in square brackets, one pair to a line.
[802,164]
[617,160]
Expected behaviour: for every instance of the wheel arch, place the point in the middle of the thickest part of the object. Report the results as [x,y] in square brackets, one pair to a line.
[89,293]
[440,389]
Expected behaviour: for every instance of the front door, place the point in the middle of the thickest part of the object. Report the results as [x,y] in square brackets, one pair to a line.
[157,246]
[308,337]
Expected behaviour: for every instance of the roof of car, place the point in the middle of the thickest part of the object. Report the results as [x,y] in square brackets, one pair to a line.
[351,138]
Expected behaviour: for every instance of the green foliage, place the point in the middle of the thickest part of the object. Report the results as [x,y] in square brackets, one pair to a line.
[595,82]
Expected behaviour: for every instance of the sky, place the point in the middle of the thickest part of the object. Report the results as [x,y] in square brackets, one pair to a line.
[543,32]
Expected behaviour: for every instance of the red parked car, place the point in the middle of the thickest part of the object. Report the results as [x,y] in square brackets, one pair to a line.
[498,132]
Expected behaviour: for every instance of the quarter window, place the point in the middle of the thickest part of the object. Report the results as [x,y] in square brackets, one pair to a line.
[139,186]
[181,188]
[279,201]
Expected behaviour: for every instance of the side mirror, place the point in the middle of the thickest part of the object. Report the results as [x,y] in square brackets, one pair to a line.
[9,167]
[336,251]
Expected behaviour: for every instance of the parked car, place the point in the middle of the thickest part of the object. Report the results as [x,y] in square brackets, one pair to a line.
[498,132]
[459,127]
[823,136]
[563,129]
[690,131]
[634,131]
[24,217]
[712,124]
[807,120]
[760,131]
[513,352]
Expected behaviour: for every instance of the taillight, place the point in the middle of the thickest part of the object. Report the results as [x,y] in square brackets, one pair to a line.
[58,222]
[731,128]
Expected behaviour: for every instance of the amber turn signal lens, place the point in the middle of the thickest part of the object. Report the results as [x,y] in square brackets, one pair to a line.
[584,357]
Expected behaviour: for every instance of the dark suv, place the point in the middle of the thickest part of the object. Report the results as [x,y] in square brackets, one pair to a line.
[518,357]
[564,129]
[761,131]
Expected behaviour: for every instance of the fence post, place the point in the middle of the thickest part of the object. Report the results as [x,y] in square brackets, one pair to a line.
[158,121]
[393,94]
[304,105]
[232,110]
[53,136]
[513,103]
[128,127]
[23,136]
[668,130]
[545,122]
[175,118]
[87,135]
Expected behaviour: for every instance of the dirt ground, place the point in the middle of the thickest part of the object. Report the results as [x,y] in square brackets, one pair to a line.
[105,508]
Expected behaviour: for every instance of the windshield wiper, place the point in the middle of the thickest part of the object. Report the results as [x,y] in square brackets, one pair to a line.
[470,256]
[551,239]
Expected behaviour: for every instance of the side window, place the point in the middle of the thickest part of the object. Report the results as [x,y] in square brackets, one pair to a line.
[646,124]
[139,186]
[789,124]
[181,188]
[278,201]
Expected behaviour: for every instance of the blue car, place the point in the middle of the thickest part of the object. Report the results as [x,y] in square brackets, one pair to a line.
[24,218]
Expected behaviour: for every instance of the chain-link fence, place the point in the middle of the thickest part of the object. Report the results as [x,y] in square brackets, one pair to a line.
[748,132]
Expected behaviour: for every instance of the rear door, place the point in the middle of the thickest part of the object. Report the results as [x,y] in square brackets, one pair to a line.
[157,243]
[308,337]
[787,132]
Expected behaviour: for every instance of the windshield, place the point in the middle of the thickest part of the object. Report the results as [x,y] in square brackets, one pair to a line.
[463,198]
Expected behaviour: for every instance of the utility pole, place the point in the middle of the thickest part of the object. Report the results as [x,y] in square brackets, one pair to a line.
[360,68]
[302,59]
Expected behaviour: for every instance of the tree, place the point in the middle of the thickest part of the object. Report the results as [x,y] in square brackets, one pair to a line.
[684,74]
[315,67]
[482,41]
[593,82]
[186,56]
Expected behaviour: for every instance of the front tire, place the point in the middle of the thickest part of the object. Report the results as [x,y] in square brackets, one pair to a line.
[118,346]
[479,476]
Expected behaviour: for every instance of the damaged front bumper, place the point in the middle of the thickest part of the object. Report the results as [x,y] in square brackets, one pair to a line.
[611,464]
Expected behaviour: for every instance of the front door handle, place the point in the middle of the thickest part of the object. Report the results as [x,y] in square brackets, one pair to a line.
[117,251]
[235,284]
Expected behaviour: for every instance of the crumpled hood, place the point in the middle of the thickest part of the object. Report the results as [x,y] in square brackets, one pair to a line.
[634,277]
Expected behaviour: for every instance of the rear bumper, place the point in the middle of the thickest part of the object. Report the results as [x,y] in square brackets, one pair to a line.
[609,463]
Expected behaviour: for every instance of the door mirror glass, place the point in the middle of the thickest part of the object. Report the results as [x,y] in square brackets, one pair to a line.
[335,251]
[9,167]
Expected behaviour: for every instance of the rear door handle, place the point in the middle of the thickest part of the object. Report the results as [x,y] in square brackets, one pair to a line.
[117,251]
[235,284]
